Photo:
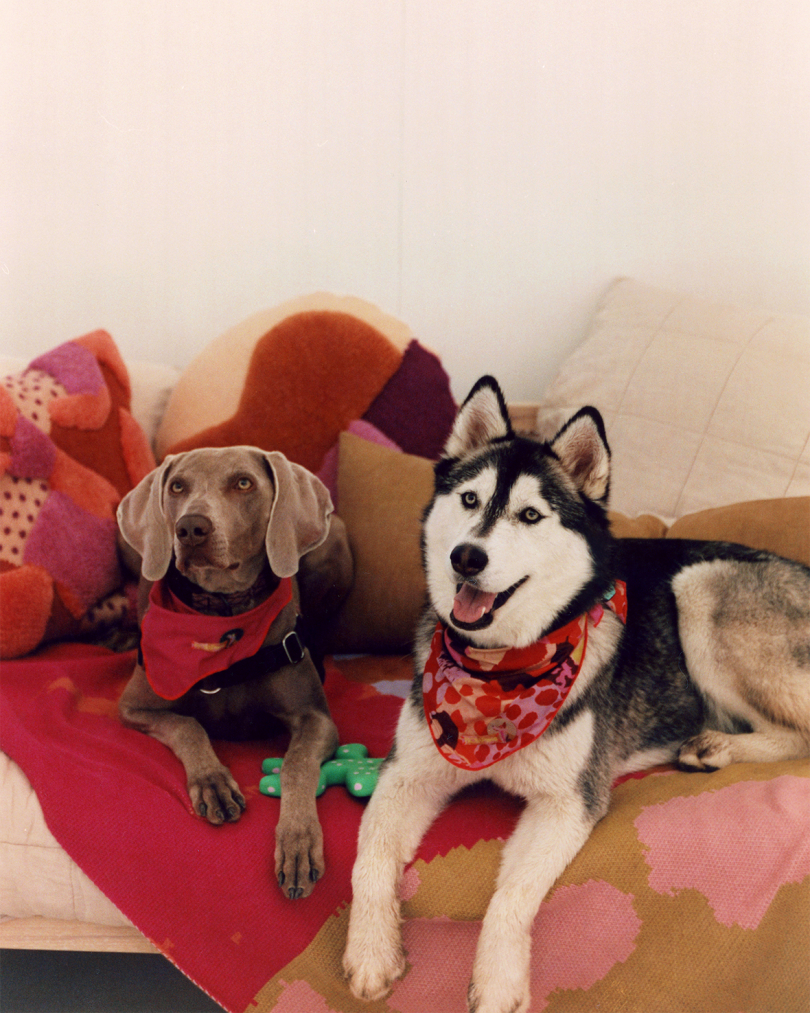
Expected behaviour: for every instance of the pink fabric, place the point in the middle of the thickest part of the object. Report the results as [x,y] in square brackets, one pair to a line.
[764,823]
[74,366]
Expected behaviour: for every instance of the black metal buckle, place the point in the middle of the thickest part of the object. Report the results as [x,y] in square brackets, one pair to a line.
[297,654]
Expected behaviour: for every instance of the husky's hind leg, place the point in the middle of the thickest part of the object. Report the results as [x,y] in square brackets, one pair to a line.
[745,633]
[712,750]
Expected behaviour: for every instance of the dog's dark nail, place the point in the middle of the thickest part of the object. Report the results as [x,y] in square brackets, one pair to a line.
[295,892]
[314,875]
[281,878]
[202,809]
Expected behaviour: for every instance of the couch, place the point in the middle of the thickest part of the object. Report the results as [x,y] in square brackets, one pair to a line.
[692,894]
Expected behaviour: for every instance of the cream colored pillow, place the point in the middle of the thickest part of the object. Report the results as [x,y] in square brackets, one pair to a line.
[704,404]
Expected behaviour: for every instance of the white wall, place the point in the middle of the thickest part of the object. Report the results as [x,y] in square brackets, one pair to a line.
[480,168]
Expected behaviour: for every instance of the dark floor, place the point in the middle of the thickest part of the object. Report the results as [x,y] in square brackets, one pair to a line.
[57,982]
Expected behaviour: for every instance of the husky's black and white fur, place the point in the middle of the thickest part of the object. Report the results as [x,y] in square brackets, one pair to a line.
[712,668]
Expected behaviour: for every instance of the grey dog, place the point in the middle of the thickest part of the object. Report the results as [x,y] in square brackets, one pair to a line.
[232,544]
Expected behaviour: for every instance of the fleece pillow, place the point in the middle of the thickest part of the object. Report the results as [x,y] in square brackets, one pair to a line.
[346,391]
[704,404]
[69,450]
[294,377]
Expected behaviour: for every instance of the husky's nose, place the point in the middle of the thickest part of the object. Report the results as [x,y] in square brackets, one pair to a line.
[193,529]
[468,560]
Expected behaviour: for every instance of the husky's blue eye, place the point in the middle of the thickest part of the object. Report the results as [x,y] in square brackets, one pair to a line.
[469,500]
[530,515]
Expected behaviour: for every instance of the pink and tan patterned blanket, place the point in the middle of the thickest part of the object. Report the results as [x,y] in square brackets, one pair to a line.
[690,895]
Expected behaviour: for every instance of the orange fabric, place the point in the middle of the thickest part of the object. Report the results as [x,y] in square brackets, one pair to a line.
[98,447]
[106,352]
[138,456]
[309,377]
[26,596]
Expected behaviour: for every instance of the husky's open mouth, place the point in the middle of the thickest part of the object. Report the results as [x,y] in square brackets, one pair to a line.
[474,609]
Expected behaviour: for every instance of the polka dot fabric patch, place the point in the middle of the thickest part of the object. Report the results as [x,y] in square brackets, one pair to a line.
[21,500]
[32,392]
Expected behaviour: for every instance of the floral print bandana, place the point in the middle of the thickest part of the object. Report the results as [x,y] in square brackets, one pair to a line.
[483,705]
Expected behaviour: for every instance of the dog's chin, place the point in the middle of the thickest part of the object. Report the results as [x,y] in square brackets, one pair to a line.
[218,578]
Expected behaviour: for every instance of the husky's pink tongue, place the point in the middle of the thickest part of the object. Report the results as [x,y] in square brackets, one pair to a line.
[470,604]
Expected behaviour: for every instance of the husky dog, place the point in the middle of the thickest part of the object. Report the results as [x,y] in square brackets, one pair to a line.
[551,659]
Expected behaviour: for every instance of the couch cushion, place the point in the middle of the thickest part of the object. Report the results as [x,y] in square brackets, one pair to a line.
[255,368]
[704,404]
[778,525]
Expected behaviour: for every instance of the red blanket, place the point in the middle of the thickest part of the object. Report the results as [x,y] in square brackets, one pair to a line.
[206,896]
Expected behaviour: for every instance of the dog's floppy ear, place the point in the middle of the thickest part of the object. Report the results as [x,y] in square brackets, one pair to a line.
[481,419]
[143,523]
[581,446]
[299,517]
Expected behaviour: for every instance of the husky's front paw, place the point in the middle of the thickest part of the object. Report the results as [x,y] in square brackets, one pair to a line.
[496,1000]
[710,750]
[371,973]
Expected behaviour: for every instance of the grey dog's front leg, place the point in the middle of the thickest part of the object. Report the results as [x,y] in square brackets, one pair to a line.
[214,794]
[299,858]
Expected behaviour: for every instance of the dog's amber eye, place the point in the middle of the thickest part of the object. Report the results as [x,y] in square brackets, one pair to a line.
[244,483]
[469,500]
[530,515]
[177,486]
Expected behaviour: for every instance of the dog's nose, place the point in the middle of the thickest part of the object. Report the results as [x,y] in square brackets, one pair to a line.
[193,529]
[468,559]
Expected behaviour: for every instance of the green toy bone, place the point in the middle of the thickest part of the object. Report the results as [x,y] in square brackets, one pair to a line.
[351,766]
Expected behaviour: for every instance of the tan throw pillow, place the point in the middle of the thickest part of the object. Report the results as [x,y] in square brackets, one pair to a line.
[778,525]
[643,526]
[382,494]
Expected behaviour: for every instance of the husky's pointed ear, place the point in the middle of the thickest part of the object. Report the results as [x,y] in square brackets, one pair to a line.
[481,419]
[581,446]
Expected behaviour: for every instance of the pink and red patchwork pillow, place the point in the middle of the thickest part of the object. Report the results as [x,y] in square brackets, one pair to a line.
[69,450]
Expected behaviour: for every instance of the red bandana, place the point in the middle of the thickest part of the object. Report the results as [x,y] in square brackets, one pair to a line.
[181,646]
[483,705]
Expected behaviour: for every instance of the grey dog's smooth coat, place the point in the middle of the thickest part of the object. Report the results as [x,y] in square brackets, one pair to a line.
[712,668]
[231,522]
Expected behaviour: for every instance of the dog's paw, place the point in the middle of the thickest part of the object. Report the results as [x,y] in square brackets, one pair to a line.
[708,751]
[299,858]
[216,797]
[371,974]
[496,1000]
